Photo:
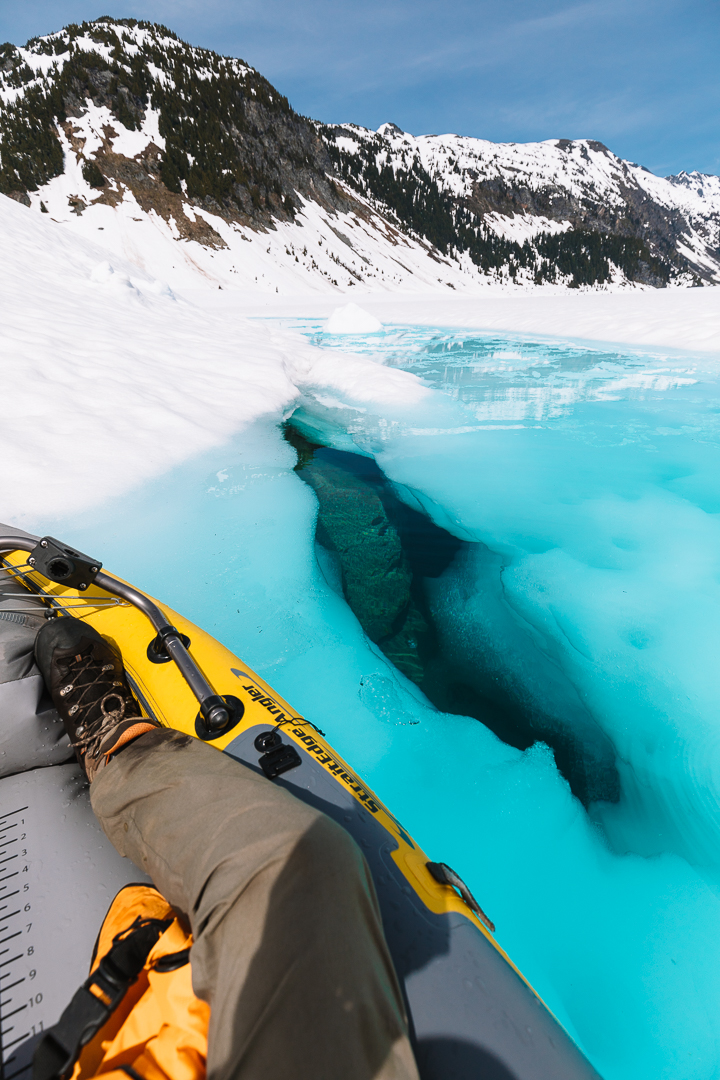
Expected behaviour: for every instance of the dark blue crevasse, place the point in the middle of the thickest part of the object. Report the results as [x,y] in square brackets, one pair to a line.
[392,561]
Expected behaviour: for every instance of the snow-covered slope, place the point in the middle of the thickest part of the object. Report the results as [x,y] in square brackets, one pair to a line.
[110,379]
[186,245]
[138,136]
[563,173]
[193,167]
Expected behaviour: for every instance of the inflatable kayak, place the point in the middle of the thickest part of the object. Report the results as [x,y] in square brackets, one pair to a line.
[472,1014]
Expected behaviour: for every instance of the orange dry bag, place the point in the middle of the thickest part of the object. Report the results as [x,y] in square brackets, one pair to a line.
[136,1015]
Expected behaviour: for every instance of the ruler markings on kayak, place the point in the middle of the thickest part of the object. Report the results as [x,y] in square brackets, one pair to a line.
[20,1010]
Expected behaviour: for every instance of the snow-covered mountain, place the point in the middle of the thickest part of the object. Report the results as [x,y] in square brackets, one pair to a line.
[553,190]
[195,168]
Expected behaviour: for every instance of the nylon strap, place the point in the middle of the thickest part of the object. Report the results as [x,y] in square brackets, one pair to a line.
[96,1000]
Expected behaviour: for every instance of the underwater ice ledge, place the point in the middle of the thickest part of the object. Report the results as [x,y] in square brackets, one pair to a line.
[622,948]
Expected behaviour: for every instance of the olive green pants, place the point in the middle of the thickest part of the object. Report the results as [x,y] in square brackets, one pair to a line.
[288,946]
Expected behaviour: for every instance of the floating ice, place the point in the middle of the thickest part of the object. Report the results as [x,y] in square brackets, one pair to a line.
[352,319]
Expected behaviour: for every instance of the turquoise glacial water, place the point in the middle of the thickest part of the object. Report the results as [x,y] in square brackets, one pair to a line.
[587,478]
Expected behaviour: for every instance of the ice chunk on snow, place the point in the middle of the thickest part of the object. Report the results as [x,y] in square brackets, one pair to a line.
[352,319]
[102,273]
[106,274]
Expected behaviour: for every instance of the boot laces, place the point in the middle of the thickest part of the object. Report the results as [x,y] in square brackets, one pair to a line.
[112,703]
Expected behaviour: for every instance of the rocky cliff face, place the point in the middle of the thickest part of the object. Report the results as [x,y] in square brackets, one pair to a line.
[122,116]
[224,137]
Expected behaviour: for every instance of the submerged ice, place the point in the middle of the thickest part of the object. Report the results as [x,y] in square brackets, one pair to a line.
[584,601]
[390,561]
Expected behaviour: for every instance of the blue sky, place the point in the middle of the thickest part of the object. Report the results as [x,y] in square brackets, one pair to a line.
[642,76]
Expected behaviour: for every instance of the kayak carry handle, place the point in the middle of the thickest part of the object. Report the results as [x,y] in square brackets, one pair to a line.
[65,566]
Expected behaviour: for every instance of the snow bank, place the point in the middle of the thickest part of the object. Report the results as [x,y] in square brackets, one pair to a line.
[687,319]
[352,319]
[110,379]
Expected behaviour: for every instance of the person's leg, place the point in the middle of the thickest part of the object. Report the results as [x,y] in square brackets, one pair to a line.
[288,945]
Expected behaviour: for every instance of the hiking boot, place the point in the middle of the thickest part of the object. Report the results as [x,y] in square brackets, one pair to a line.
[86,679]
